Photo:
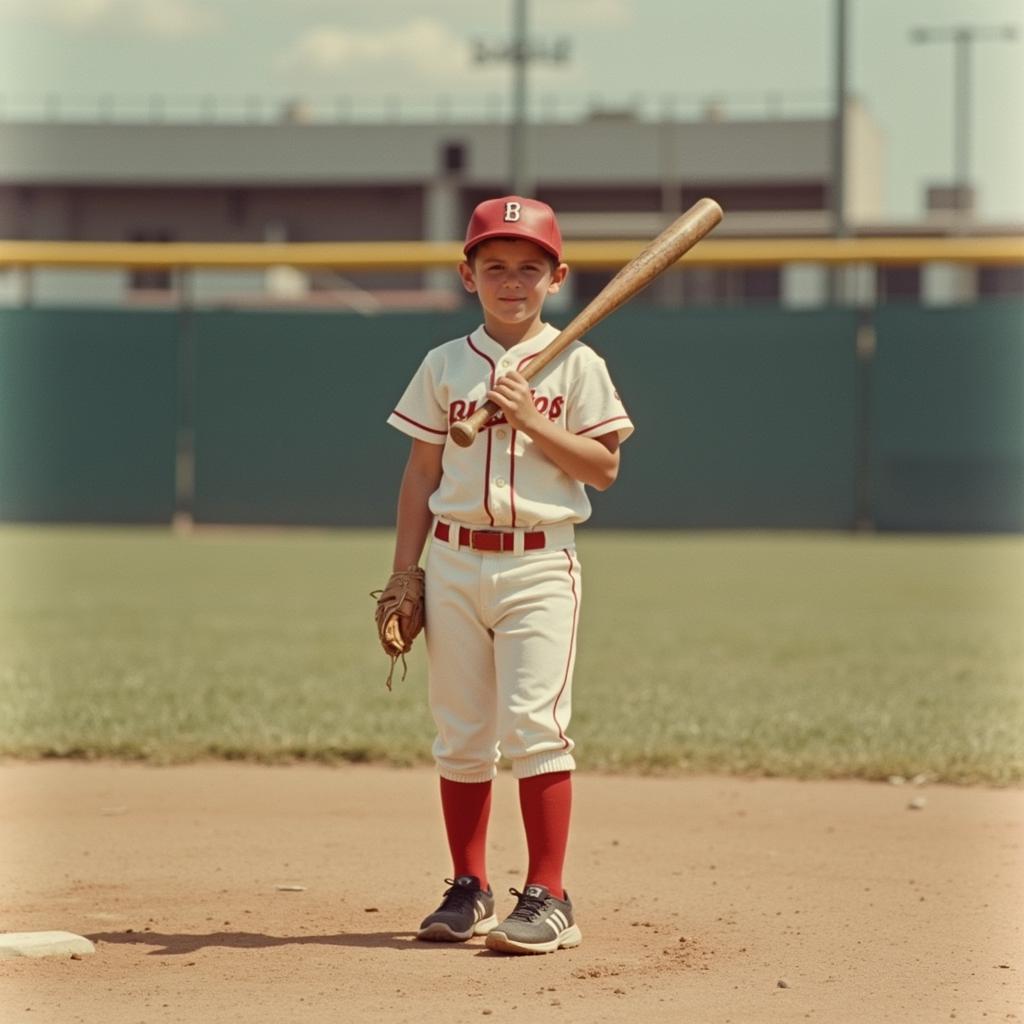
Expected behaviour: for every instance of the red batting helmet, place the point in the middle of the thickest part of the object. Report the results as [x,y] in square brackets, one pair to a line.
[515,217]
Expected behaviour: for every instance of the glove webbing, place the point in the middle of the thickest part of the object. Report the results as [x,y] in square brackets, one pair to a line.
[394,610]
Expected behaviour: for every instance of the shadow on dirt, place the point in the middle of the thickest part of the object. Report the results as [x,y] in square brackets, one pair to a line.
[177,945]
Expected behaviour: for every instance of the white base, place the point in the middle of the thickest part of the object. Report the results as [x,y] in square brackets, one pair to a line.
[44,944]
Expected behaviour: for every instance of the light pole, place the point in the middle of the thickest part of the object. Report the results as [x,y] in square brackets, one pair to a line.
[837,191]
[839,125]
[962,36]
[520,53]
[517,136]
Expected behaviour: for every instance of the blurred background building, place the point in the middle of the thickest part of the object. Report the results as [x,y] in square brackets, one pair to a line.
[304,175]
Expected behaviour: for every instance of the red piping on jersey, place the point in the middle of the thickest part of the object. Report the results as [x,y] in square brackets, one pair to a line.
[572,646]
[614,419]
[487,478]
[429,430]
[512,450]
[512,477]
[487,464]
[526,359]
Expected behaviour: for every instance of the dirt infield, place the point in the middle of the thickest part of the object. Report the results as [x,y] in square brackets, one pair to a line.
[701,899]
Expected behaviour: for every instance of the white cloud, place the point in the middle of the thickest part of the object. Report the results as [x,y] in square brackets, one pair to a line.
[73,13]
[174,19]
[560,14]
[423,43]
[422,53]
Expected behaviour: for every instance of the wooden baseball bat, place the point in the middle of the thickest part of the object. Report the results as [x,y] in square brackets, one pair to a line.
[679,237]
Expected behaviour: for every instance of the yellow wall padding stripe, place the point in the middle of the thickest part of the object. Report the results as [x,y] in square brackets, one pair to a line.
[582,254]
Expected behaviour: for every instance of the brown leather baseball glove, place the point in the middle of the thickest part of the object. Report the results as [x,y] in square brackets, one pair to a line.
[400,614]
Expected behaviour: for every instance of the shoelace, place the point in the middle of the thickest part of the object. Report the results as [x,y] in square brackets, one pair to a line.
[527,907]
[458,897]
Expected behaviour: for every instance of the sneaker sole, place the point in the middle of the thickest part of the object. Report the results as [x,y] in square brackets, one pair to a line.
[501,943]
[440,932]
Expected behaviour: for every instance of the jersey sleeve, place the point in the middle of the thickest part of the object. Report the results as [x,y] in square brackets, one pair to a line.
[420,412]
[595,407]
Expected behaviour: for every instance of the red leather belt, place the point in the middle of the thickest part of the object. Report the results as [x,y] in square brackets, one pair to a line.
[491,540]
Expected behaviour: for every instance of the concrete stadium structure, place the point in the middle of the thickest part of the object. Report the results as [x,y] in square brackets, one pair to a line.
[608,176]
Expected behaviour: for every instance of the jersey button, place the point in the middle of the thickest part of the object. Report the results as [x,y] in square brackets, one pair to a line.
[501,435]
[500,482]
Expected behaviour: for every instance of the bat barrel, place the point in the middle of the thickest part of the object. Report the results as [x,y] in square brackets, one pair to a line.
[676,240]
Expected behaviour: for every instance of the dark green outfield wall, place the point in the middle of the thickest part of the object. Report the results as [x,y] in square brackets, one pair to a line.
[947,419]
[290,411]
[88,407]
[745,418]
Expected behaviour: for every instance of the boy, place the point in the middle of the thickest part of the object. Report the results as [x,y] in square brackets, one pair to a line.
[502,578]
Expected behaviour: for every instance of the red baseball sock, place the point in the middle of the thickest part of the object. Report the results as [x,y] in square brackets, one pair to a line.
[467,808]
[546,805]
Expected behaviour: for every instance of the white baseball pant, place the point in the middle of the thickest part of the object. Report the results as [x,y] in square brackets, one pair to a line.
[501,645]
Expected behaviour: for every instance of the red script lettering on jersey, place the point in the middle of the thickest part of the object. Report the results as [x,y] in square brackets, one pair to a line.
[459,409]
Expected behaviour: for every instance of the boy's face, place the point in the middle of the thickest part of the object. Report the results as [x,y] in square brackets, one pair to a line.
[512,277]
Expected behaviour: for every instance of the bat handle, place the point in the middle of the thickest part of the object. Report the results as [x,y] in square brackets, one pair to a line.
[463,432]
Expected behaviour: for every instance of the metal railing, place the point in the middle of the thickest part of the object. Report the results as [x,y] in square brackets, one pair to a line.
[494,106]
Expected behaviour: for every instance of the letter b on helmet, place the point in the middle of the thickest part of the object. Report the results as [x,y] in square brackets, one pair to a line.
[513,211]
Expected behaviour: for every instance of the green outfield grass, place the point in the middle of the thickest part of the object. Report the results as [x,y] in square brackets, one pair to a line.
[810,655]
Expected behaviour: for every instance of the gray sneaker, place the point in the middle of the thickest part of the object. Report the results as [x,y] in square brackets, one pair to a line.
[465,911]
[539,924]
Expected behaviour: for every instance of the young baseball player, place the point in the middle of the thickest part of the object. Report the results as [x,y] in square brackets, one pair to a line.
[502,578]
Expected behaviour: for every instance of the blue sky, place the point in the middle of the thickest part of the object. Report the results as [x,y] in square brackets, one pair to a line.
[740,50]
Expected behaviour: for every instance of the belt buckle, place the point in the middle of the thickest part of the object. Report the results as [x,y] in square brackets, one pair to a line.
[480,540]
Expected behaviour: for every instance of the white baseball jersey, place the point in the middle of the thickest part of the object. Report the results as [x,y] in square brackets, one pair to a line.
[502,480]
